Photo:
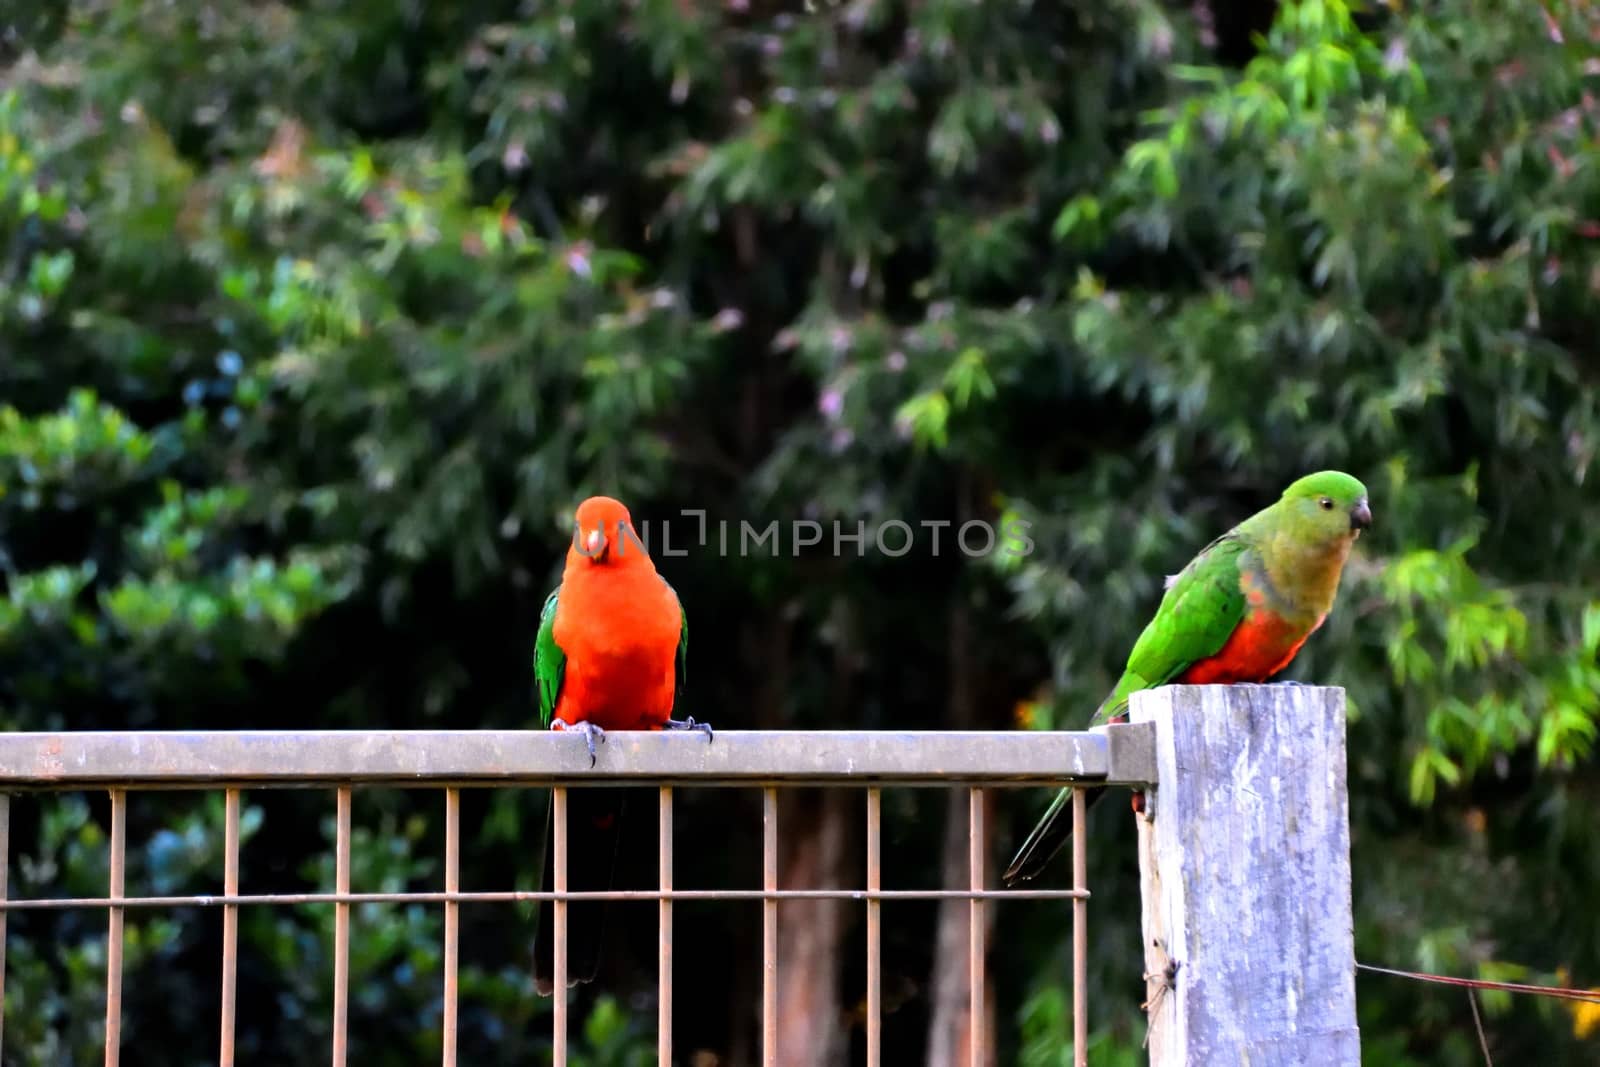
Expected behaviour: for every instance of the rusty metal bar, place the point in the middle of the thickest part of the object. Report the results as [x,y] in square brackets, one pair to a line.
[230,925]
[341,930]
[433,758]
[558,801]
[664,920]
[5,870]
[1080,934]
[452,919]
[769,927]
[517,896]
[874,929]
[119,841]
[975,957]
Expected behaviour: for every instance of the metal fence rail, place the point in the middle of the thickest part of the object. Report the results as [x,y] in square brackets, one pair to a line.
[452,760]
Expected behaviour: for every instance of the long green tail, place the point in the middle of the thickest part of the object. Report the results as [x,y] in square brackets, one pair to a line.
[1047,837]
[1052,830]
[594,818]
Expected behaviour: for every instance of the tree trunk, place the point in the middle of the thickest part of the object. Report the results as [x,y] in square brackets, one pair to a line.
[950,1018]
[765,651]
[950,1021]
[813,852]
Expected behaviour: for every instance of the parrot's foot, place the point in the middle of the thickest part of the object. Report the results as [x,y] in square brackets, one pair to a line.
[690,724]
[589,730]
[1286,681]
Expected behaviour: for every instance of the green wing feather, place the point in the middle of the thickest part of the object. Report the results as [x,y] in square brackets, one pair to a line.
[549,662]
[1202,607]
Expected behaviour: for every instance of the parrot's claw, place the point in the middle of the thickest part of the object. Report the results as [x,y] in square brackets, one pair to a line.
[1287,681]
[690,724]
[589,731]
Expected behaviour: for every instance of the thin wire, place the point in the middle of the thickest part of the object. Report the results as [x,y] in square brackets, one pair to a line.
[1477,1020]
[558,966]
[769,927]
[976,953]
[119,852]
[1080,932]
[452,925]
[341,928]
[5,867]
[664,926]
[230,928]
[1590,995]
[507,896]
[874,929]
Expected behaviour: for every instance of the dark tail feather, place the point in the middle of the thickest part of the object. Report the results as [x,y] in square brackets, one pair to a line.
[1047,837]
[594,817]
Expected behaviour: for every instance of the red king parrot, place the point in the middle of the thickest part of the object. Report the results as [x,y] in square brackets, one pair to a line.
[1238,612]
[611,654]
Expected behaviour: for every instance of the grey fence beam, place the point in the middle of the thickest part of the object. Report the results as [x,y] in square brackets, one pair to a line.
[182,759]
[1244,861]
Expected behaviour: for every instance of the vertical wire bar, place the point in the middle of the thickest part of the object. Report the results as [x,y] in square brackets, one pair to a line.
[874,930]
[975,966]
[664,975]
[119,838]
[230,924]
[1080,935]
[341,929]
[769,927]
[5,890]
[558,798]
[452,919]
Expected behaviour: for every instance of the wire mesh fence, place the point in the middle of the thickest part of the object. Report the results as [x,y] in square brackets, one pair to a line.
[451,761]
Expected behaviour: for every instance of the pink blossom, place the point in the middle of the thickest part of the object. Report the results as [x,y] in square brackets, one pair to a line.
[831,403]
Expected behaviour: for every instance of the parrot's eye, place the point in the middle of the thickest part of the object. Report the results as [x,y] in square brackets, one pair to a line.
[1327,503]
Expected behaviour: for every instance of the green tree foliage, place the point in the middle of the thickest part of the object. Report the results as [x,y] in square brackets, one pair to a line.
[316,320]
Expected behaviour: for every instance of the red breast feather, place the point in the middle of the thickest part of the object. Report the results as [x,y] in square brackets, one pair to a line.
[619,628]
[1259,647]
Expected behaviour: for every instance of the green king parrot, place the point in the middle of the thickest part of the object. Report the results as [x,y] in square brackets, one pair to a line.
[1238,612]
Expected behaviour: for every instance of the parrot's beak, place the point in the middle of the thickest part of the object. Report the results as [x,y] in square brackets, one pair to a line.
[594,545]
[1360,515]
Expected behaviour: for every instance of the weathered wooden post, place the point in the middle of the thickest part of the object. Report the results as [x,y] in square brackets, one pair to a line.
[1244,861]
